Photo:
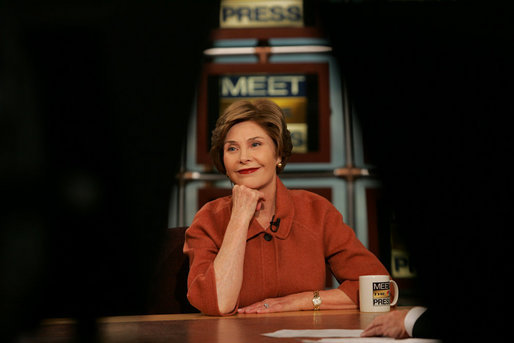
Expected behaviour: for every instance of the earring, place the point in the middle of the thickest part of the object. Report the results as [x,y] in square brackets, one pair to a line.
[279,165]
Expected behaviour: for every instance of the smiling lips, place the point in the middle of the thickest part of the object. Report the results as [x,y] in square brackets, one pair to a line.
[247,171]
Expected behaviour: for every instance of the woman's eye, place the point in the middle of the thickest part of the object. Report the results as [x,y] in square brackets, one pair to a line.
[256,144]
[231,148]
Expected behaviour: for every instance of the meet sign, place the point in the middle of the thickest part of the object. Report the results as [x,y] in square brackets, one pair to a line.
[289,91]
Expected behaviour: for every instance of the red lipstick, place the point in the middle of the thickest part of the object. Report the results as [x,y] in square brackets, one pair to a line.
[247,171]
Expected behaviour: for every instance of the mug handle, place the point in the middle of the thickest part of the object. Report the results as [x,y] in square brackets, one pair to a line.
[396,292]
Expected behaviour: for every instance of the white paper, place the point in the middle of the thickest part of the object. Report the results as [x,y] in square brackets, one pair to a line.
[372,340]
[315,333]
[342,336]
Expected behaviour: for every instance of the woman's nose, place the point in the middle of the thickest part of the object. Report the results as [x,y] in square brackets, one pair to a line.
[245,155]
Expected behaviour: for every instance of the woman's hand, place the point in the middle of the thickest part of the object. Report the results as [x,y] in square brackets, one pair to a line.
[228,264]
[293,302]
[332,299]
[246,201]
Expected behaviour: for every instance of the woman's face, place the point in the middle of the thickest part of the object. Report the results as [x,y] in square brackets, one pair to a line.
[249,156]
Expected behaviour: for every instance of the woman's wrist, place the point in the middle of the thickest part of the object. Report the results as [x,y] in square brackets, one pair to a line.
[303,301]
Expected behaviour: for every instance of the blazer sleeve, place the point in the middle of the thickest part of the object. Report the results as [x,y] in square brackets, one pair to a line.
[202,243]
[347,256]
[424,327]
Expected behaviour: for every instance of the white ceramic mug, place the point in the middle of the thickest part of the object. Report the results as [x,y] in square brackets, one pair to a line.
[375,293]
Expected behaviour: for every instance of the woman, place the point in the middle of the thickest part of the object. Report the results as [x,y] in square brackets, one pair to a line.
[265,248]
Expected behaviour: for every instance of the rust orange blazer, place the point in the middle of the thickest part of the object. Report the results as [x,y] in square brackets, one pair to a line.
[311,233]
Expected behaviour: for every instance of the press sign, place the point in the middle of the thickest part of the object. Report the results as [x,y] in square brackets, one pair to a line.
[261,13]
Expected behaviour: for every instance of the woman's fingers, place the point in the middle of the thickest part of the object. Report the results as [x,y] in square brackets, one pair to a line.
[281,304]
[260,307]
[247,199]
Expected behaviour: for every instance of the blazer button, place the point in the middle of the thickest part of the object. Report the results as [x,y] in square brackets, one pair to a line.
[268,237]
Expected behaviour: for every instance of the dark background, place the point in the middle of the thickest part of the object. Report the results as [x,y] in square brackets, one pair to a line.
[95,97]
[432,84]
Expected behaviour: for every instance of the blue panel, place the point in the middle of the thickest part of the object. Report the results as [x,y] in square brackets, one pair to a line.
[297,41]
[361,210]
[236,59]
[231,43]
[358,143]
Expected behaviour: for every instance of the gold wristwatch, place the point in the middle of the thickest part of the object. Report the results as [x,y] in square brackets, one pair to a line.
[316,301]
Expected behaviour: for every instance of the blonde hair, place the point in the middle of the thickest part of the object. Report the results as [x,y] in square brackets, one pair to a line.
[263,112]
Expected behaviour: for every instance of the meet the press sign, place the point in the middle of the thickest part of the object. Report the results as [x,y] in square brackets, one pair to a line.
[261,13]
[381,293]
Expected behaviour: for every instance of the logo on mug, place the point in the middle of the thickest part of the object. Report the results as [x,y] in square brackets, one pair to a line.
[381,294]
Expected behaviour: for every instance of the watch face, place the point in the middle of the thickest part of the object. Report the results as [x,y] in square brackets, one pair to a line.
[316,301]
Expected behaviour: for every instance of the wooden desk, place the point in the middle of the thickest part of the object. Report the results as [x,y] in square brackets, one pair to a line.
[197,328]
